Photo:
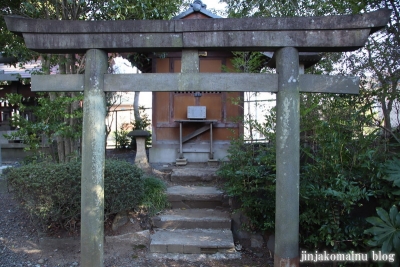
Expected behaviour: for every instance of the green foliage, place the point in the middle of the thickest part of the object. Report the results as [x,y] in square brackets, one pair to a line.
[154,197]
[265,8]
[122,139]
[50,119]
[392,171]
[143,123]
[250,179]
[338,172]
[99,9]
[385,230]
[125,189]
[247,62]
[377,63]
[51,192]
[341,170]
[249,176]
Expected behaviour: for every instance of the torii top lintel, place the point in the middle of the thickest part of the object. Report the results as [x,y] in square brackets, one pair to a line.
[316,34]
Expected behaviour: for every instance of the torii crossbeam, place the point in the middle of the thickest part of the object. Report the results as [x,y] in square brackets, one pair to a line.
[284,36]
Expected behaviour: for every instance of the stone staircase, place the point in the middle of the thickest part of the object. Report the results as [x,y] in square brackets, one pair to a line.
[199,221]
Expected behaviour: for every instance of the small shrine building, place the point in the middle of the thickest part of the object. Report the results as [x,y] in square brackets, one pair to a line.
[194,126]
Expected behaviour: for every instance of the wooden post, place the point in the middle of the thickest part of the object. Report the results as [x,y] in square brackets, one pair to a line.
[287,159]
[93,158]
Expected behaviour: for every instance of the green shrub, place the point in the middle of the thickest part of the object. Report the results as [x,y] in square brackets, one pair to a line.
[154,197]
[123,186]
[251,181]
[122,139]
[51,192]
[341,170]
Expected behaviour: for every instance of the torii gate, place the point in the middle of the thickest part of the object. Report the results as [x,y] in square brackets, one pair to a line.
[284,36]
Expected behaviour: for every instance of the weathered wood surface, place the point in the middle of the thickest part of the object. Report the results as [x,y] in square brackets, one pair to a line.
[317,34]
[205,82]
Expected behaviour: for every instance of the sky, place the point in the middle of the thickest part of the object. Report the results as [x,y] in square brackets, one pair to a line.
[214,4]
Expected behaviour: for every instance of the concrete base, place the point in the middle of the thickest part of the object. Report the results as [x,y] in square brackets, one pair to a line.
[181,162]
[213,162]
[168,153]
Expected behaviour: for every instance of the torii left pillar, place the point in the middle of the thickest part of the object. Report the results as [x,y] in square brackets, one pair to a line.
[93,160]
[287,158]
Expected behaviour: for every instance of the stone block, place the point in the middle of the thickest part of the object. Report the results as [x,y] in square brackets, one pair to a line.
[213,162]
[187,249]
[175,248]
[120,219]
[158,248]
[257,241]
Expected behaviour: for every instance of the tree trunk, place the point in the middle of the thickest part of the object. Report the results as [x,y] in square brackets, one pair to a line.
[386,117]
[74,105]
[60,139]
[46,70]
[136,108]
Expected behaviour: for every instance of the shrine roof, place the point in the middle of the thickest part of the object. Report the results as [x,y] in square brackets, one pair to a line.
[23,71]
[197,7]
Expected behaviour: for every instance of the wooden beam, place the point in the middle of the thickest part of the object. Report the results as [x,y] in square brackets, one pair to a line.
[196,133]
[203,82]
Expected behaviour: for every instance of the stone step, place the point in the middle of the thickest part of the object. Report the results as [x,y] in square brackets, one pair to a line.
[193,241]
[191,174]
[195,197]
[193,218]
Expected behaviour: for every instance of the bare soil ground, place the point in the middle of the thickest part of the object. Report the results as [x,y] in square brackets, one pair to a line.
[23,244]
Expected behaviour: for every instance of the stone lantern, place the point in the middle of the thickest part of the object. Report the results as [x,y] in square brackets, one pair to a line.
[141,156]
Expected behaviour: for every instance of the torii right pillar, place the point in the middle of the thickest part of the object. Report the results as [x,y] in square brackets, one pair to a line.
[287,158]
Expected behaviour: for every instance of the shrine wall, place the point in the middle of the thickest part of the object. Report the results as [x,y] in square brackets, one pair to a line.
[168,107]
